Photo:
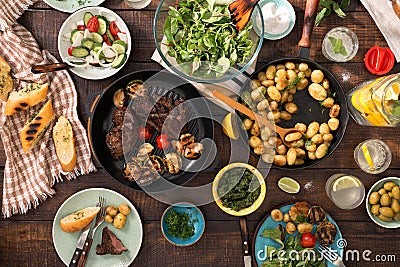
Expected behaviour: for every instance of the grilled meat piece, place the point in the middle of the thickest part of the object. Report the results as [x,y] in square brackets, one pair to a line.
[114,141]
[316,215]
[118,116]
[110,244]
[326,233]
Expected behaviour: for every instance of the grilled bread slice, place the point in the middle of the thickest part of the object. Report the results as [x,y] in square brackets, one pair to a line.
[29,96]
[36,126]
[77,220]
[6,82]
[64,142]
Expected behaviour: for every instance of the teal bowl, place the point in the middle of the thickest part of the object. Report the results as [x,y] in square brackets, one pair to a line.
[378,185]
[195,216]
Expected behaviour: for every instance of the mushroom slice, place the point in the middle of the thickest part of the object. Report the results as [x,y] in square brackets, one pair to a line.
[119,98]
[186,139]
[135,89]
[173,163]
[156,162]
[193,150]
[148,176]
[132,170]
[316,215]
[144,151]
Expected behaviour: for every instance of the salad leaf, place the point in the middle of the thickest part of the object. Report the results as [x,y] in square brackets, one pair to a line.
[328,5]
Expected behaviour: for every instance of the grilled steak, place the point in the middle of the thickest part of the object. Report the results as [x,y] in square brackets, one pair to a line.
[114,141]
[110,244]
[118,116]
[326,233]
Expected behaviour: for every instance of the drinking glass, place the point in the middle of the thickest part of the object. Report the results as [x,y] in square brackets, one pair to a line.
[138,4]
[373,156]
[347,38]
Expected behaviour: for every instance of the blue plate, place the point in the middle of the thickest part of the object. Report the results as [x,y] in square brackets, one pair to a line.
[195,216]
[268,223]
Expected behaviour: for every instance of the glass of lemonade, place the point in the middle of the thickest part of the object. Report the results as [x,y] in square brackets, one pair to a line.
[340,44]
[373,156]
[345,191]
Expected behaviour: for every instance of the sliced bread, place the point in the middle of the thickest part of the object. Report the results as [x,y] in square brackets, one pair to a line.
[77,220]
[6,82]
[30,96]
[36,126]
[64,142]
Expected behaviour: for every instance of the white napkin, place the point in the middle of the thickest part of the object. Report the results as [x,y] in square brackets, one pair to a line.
[229,88]
[388,23]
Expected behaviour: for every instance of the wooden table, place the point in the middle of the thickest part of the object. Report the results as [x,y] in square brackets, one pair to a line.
[26,240]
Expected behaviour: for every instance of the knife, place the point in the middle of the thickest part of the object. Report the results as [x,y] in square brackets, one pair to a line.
[245,242]
[79,246]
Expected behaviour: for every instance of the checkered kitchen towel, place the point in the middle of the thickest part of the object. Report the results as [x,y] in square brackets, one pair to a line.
[28,178]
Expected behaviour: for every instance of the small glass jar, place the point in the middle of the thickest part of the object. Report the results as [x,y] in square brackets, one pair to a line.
[340,44]
[376,102]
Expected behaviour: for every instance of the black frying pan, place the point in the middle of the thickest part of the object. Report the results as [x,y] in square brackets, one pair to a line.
[100,122]
[309,109]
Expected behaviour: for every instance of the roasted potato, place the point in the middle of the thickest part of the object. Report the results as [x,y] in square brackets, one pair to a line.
[304,228]
[317,76]
[119,221]
[277,215]
[112,211]
[124,209]
[312,129]
[317,92]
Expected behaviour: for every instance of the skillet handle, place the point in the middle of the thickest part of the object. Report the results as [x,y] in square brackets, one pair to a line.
[91,102]
[310,13]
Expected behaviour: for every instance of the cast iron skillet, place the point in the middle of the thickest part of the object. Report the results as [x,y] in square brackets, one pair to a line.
[100,122]
[309,109]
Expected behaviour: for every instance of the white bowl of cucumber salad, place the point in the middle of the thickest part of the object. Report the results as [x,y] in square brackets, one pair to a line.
[95,41]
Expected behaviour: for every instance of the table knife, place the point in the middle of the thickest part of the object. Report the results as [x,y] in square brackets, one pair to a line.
[79,246]
[245,242]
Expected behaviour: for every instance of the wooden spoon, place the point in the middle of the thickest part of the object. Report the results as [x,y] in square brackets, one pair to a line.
[282,132]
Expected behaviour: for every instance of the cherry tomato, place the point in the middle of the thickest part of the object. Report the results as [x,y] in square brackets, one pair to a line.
[106,40]
[308,240]
[114,29]
[93,24]
[162,141]
[70,50]
[80,27]
[145,132]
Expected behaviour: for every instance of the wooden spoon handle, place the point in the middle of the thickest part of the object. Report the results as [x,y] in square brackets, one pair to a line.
[310,13]
[49,67]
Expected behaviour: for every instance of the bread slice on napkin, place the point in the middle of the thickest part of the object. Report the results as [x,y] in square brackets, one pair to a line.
[6,82]
[27,97]
[36,126]
[64,142]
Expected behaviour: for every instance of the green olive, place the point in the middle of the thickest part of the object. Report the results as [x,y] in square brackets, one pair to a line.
[396,192]
[396,217]
[385,200]
[387,212]
[375,209]
[382,191]
[384,218]
[388,186]
[395,206]
[374,198]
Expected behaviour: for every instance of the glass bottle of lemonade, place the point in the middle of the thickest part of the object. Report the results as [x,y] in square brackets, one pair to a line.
[376,102]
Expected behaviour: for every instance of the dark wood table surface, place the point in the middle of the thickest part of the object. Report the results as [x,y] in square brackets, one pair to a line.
[26,240]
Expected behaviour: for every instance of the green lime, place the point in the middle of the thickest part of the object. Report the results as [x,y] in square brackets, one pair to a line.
[289,185]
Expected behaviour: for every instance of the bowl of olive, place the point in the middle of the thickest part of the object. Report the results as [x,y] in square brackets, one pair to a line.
[383,202]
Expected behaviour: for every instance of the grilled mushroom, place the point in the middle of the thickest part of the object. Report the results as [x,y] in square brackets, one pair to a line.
[326,233]
[173,163]
[187,147]
[193,150]
[144,151]
[156,162]
[134,89]
[119,98]
[132,169]
[316,215]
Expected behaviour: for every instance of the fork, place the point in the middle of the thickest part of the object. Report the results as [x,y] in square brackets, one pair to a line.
[331,256]
[241,11]
[89,240]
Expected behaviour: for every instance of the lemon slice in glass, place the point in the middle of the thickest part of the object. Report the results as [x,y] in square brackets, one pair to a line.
[229,126]
[345,182]
[367,156]
[289,185]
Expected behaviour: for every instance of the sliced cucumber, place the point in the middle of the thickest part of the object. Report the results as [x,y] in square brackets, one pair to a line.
[103,25]
[96,47]
[80,52]
[97,37]
[110,36]
[120,46]
[88,43]
[120,61]
[74,34]
[109,60]
[87,17]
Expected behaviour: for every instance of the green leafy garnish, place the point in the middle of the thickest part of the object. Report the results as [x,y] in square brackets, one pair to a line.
[179,224]
[328,5]
[337,45]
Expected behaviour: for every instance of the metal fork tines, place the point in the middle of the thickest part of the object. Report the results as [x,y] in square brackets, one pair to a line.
[100,216]
[331,256]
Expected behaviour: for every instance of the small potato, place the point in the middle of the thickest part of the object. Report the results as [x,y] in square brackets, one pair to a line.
[293,136]
[302,84]
[328,102]
[124,209]
[255,84]
[273,105]
[265,133]
[286,116]
[387,212]
[389,186]
[263,104]
[290,98]
[375,209]
[280,74]
[291,75]
[397,217]
[270,73]
[276,115]
[274,93]
[334,111]
[382,191]
[108,218]
[374,198]
[247,123]
[290,228]
[291,108]
[333,124]
[308,72]
[268,83]
[279,160]
[299,162]
[385,200]
[304,228]
[312,129]
[310,146]
[324,128]
[255,141]
[390,194]
[284,98]
[325,84]
[286,217]
[396,192]
[301,127]
[261,76]
[280,66]
[301,154]
[277,215]
[290,65]
[298,143]
[119,221]
[317,139]
[292,90]
[311,155]
[112,210]
[259,150]
[281,149]
[395,206]
[291,156]
[384,218]
[322,151]
[255,129]
[317,92]
[268,158]
[282,84]
[327,137]
[257,95]
[317,76]
[303,67]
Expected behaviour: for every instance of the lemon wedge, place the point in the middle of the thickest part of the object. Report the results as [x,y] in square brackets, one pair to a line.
[367,156]
[345,182]
[229,126]
[393,92]
[289,185]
